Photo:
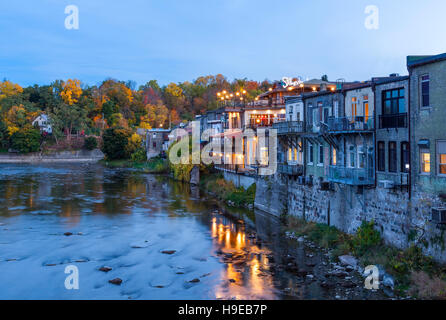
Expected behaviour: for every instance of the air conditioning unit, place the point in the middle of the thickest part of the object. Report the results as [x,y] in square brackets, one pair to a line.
[386,184]
[301,180]
[439,215]
[326,186]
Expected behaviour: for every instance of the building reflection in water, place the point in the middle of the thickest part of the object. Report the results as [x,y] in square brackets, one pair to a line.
[246,273]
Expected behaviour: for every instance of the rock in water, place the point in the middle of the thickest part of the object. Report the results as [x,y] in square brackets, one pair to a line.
[68,234]
[105,269]
[348,261]
[195,280]
[195,175]
[116,281]
[168,251]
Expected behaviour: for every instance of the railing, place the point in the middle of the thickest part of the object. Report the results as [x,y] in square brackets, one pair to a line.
[398,120]
[343,124]
[351,176]
[291,170]
[287,127]
[258,103]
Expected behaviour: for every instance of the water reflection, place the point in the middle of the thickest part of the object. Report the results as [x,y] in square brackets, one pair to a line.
[246,271]
[123,207]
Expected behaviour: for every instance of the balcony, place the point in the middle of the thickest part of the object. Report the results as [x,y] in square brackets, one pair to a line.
[289,127]
[398,120]
[351,176]
[290,170]
[348,124]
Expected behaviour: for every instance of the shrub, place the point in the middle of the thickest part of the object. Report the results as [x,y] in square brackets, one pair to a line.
[27,139]
[115,141]
[139,155]
[90,143]
[366,237]
[134,143]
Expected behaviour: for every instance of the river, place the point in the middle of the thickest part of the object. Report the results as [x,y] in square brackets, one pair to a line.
[162,238]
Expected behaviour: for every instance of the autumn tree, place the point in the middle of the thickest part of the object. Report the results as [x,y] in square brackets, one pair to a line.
[71,91]
[7,89]
[156,116]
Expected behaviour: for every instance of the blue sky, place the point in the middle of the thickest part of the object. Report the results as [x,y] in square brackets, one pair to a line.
[175,41]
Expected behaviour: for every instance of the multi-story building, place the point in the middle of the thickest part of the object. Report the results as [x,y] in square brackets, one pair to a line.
[320,147]
[293,127]
[392,132]
[351,131]
[427,78]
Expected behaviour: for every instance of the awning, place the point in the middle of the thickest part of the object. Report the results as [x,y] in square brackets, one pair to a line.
[424,143]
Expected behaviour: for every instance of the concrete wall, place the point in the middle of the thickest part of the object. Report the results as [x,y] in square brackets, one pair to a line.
[239,180]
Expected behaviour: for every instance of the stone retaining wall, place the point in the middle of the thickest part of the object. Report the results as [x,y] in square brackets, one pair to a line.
[63,156]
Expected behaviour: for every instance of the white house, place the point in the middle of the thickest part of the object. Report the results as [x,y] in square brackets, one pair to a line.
[43,122]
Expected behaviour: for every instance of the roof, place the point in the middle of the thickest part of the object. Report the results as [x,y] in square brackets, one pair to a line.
[415,61]
[278,87]
[390,79]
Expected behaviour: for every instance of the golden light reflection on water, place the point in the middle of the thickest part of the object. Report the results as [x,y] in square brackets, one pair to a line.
[245,274]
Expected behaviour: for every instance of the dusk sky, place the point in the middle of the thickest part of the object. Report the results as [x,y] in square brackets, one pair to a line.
[175,41]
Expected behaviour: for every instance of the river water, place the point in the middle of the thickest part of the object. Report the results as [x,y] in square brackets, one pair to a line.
[56,216]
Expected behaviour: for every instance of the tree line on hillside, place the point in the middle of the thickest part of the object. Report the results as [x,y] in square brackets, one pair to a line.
[75,108]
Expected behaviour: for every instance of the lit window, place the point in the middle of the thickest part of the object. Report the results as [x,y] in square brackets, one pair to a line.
[441,151]
[425,161]
[334,159]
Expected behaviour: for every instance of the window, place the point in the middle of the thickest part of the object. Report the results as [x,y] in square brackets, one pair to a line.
[326,115]
[295,154]
[381,156]
[299,143]
[352,156]
[425,80]
[334,159]
[290,154]
[405,157]
[394,101]
[425,157]
[354,108]
[336,108]
[392,157]
[365,106]
[361,157]
[310,153]
[441,157]
[321,155]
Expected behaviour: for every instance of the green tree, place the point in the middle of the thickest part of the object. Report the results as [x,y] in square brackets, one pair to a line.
[90,143]
[115,142]
[26,140]
[67,119]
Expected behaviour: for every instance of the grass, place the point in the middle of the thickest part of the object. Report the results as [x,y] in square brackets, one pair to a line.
[154,165]
[414,273]
[226,191]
